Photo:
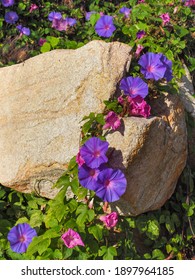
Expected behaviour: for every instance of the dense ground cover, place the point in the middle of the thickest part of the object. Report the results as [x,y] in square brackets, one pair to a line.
[79,227]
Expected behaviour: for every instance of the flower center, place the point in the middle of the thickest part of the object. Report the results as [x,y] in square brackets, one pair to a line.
[96,154]
[107,182]
[92,172]
[150,68]
[107,27]
[22,238]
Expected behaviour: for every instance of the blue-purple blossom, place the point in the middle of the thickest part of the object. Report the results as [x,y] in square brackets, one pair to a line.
[104,27]
[134,87]
[88,177]
[168,64]
[111,184]
[140,34]
[88,15]
[23,30]
[11,17]
[155,66]
[71,21]
[7,3]
[20,237]
[125,11]
[54,15]
[94,151]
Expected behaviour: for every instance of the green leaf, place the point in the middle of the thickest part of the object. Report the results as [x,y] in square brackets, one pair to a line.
[107,253]
[96,231]
[63,181]
[158,254]
[57,254]
[52,233]
[46,47]
[36,219]
[53,41]
[153,229]
[37,243]
[94,18]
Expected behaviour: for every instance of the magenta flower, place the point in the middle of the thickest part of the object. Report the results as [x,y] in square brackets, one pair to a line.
[20,237]
[141,1]
[110,220]
[79,159]
[140,34]
[63,24]
[7,3]
[93,152]
[60,24]
[125,11]
[111,184]
[88,177]
[138,50]
[42,41]
[189,3]
[112,121]
[165,18]
[33,7]
[104,27]
[134,87]
[152,66]
[23,30]
[71,238]
[139,107]
[11,17]
[54,15]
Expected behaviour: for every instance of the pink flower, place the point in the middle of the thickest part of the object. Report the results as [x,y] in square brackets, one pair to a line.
[79,159]
[141,1]
[166,18]
[138,107]
[120,100]
[112,121]
[33,7]
[138,50]
[42,41]
[71,238]
[110,220]
[190,3]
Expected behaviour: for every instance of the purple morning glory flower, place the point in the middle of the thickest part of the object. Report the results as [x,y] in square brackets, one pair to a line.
[71,21]
[104,27]
[151,66]
[71,238]
[88,15]
[7,3]
[88,177]
[111,184]
[125,11]
[93,152]
[140,34]
[134,87]
[54,15]
[20,237]
[60,24]
[11,17]
[23,30]
[168,64]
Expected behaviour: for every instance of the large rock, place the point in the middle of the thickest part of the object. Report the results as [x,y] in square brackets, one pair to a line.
[152,152]
[43,101]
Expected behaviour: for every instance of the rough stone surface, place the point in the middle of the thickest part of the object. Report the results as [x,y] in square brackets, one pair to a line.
[152,152]
[43,101]
[187,96]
